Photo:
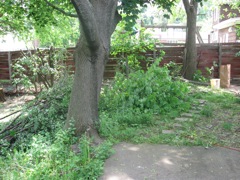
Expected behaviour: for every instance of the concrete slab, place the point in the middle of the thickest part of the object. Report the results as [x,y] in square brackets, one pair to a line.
[176,125]
[194,112]
[201,101]
[198,108]
[183,119]
[168,132]
[163,162]
[187,115]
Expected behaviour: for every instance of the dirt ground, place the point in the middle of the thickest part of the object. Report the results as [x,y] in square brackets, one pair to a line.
[12,104]
[235,86]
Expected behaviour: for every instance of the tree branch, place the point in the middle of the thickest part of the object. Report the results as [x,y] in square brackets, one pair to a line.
[2,118]
[88,23]
[190,6]
[186,5]
[116,16]
[61,10]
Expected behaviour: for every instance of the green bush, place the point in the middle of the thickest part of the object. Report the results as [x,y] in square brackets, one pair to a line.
[42,66]
[129,105]
[129,48]
[174,69]
[151,91]
[199,77]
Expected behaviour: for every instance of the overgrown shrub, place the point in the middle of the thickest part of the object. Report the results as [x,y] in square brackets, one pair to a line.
[129,48]
[132,103]
[41,66]
[174,69]
[198,76]
[151,91]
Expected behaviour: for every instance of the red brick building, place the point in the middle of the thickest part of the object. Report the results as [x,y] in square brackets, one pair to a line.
[225,20]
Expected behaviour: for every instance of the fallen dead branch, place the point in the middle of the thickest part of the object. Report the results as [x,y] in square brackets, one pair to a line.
[194,82]
[19,124]
[2,118]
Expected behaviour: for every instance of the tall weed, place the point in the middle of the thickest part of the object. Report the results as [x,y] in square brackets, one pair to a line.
[47,159]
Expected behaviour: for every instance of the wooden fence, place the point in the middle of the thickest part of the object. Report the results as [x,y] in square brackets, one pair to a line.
[208,54]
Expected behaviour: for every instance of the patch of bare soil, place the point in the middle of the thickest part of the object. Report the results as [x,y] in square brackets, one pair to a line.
[235,87]
[13,104]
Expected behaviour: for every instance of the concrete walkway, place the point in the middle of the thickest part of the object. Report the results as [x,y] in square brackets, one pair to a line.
[163,162]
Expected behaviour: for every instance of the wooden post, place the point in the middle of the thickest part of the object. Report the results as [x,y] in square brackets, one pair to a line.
[225,75]
[10,65]
[2,97]
[219,57]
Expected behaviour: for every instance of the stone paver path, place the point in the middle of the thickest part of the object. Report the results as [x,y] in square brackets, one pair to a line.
[186,117]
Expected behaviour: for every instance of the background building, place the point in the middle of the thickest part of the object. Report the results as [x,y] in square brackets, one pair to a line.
[225,22]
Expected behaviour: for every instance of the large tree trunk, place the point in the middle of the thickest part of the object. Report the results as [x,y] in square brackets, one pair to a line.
[83,107]
[98,20]
[190,60]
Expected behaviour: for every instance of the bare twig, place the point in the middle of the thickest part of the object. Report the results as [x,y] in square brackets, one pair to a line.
[5,129]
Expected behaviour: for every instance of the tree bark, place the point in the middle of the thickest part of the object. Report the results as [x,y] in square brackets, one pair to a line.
[98,20]
[190,61]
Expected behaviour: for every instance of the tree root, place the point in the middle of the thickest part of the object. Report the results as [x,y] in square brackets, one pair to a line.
[93,133]
[93,136]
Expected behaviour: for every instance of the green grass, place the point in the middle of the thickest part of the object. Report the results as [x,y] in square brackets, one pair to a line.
[216,123]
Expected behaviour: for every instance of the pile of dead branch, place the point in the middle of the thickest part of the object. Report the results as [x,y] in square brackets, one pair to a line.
[22,122]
